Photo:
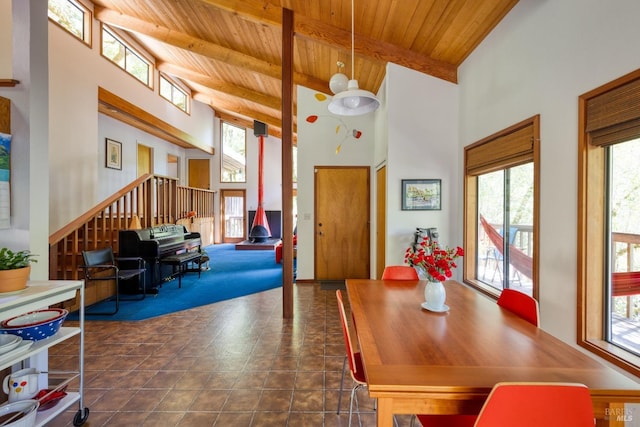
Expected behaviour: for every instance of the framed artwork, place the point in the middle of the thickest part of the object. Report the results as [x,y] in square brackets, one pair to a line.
[113,154]
[421,195]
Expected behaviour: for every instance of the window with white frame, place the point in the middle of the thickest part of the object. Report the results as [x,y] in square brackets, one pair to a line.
[125,56]
[174,93]
[73,16]
[234,153]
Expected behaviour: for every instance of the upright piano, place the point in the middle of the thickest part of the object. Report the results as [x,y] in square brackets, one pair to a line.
[154,243]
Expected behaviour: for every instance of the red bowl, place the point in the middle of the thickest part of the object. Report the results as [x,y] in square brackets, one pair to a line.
[50,398]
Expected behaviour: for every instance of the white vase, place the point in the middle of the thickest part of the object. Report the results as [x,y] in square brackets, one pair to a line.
[435,296]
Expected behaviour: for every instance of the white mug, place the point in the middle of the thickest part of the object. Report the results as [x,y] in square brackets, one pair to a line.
[21,385]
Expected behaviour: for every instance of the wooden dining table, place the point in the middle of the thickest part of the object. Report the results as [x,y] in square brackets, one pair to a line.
[421,362]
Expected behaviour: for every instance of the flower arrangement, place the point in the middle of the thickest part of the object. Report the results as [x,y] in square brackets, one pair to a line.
[437,262]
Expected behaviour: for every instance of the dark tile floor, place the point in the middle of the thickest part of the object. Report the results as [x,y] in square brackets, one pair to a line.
[232,363]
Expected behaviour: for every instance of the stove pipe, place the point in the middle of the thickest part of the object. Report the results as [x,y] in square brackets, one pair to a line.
[260,231]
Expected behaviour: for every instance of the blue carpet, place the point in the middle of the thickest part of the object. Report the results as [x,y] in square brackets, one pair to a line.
[233,274]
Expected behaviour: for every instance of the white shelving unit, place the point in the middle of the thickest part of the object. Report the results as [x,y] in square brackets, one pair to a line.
[39,295]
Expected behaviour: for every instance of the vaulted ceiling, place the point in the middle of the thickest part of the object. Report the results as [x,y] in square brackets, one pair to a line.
[229,52]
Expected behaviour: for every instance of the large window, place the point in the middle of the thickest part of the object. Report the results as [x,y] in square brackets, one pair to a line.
[73,17]
[124,56]
[609,222]
[174,94]
[501,181]
[234,153]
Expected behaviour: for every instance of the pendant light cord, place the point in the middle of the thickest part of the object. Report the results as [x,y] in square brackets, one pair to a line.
[352,41]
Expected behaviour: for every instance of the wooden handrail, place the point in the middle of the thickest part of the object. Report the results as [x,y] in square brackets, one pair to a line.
[154,199]
[85,217]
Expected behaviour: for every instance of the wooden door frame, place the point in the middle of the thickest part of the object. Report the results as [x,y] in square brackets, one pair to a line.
[223,237]
[381,220]
[315,230]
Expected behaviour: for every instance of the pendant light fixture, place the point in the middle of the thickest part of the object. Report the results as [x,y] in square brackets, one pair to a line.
[339,80]
[353,101]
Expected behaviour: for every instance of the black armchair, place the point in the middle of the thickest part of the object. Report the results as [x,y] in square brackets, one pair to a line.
[100,264]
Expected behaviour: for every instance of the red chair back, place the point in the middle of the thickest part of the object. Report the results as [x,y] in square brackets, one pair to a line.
[399,272]
[345,332]
[521,304]
[537,404]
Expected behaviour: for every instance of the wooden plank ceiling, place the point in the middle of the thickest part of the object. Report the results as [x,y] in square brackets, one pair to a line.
[228,52]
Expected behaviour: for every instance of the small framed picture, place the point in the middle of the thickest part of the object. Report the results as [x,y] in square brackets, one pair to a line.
[421,195]
[113,154]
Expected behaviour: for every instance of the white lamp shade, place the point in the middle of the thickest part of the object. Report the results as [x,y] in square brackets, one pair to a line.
[353,101]
[338,83]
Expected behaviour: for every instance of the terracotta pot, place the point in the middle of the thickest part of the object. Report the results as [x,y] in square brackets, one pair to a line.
[14,280]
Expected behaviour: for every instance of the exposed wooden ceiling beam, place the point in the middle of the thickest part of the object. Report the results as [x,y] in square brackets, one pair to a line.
[120,109]
[220,85]
[203,47]
[306,27]
[374,49]
[220,104]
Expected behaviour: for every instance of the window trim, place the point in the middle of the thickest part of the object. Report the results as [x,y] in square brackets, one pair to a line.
[134,49]
[178,87]
[591,229]
[87,23]
[509,156]
[222,123]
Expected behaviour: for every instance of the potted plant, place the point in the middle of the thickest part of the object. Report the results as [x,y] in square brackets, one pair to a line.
[14,269]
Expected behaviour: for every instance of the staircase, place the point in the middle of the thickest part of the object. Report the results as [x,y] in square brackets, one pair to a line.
[153,199]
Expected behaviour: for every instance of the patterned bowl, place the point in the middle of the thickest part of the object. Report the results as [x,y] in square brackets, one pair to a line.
[35,325]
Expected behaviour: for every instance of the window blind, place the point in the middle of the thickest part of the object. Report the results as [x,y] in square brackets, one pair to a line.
[509,148]
[614,116]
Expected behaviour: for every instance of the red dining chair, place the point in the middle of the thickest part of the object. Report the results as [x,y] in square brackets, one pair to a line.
[399,272]
[446,420]
[355,360]
[537,404]
[391,272]
[521,304]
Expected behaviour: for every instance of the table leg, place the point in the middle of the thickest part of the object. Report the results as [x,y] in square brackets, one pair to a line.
[385,412]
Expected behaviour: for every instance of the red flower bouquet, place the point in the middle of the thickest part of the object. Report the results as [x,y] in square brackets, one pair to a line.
[437,262]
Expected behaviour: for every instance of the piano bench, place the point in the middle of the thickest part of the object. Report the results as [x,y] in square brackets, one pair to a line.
[179,263]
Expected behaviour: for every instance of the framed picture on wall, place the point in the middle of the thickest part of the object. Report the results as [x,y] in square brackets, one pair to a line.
[113,154]
[421,195]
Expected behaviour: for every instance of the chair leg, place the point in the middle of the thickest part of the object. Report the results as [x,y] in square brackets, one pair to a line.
[344,365]
[144,289]
[110,313]
[354,396]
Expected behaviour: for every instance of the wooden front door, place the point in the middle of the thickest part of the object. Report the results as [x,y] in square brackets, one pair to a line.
[342,242]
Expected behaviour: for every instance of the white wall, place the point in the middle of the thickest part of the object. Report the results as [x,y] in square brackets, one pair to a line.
[77,131]
[317,144]
[422,144]
[538,61]
[29,129]
[112,180]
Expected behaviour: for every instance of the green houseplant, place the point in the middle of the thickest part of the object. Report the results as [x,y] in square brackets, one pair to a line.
[14,269]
